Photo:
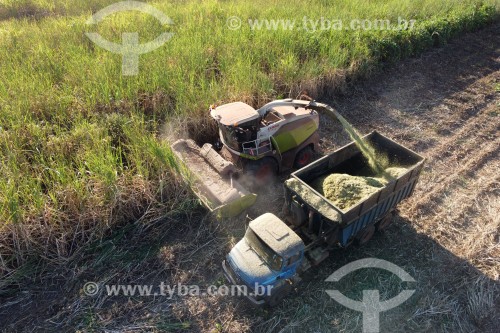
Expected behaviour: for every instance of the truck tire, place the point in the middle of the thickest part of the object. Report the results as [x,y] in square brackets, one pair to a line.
[303,157]
[386,221]
[278,295]
[262,171]
[365,235]
[285,210]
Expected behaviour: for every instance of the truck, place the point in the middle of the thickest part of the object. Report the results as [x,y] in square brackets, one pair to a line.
[274,252]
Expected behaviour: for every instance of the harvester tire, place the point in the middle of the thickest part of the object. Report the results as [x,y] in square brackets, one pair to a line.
[303,157]
[263,171]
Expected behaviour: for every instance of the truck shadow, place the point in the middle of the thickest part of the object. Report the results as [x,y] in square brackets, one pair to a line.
[421,103]
[451,294]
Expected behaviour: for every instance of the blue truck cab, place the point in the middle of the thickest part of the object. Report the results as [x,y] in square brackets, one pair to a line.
[266,259]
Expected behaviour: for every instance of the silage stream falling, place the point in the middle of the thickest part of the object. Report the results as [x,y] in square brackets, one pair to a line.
[376,162]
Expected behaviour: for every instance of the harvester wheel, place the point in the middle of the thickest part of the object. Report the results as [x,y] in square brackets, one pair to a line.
[304,157]
[263,171]
[365,235]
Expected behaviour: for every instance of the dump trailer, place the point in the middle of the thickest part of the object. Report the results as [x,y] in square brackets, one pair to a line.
[312,225]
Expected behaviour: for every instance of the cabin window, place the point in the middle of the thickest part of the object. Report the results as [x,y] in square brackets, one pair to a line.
[271,118]
[293,259]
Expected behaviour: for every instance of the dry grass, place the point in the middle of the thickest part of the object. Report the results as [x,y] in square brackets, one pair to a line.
[446,236]
[444,105]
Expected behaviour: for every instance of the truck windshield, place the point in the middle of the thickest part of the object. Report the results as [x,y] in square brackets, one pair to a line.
[273,260]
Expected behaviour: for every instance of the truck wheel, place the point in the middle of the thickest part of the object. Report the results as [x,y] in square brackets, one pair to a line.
[263,171]
[303,157]
[385,222]
[365,235]
[285,210]
[278,295]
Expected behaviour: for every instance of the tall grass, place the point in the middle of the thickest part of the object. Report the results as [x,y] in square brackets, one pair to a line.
[79,142]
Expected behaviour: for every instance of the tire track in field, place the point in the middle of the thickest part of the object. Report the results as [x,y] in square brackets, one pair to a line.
[464,222]
[468,147]
[487,150]
[478,125]
[486,181]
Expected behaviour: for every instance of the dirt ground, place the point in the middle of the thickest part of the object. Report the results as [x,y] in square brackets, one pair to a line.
[445,105]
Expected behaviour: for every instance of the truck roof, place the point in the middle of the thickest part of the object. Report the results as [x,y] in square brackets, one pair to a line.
[277,235]
[233,113]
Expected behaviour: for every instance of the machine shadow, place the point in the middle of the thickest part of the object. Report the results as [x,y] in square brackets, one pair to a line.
[451,294]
